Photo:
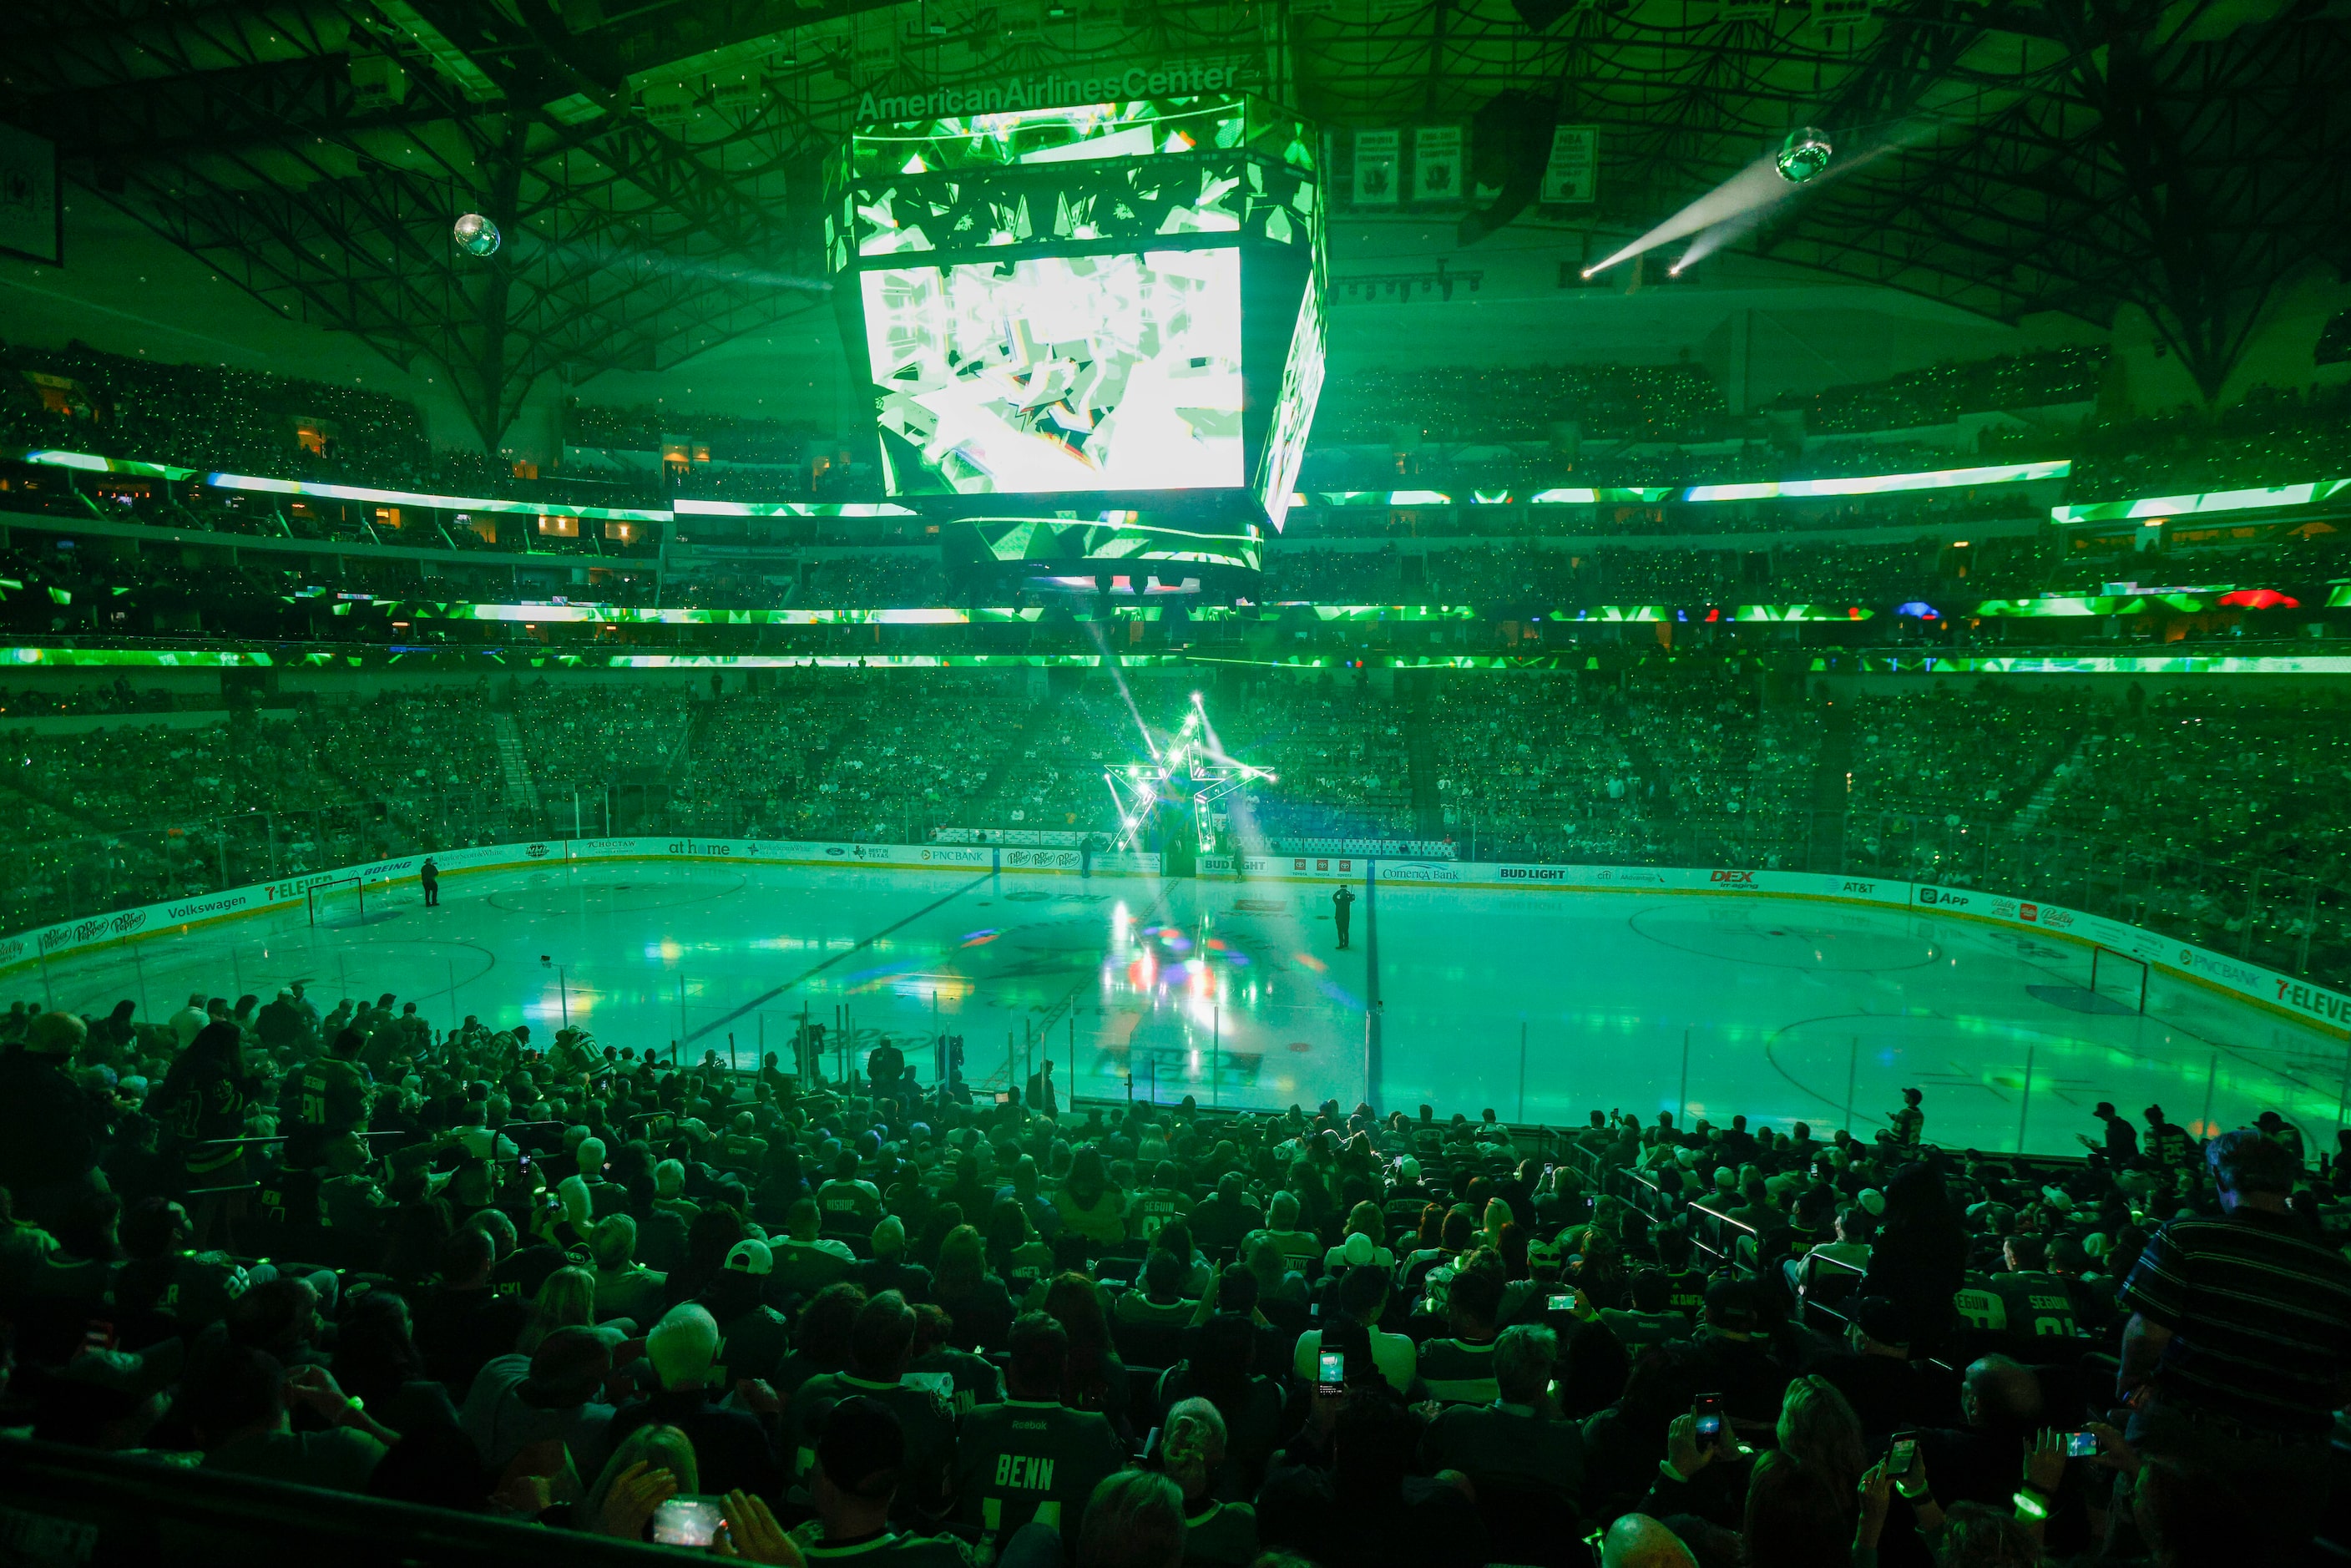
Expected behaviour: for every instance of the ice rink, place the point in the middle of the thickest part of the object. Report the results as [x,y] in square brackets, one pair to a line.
[1542,1005]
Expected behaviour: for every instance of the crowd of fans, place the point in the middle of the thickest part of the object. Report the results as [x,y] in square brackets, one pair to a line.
[1462,428]
[1943,393]
[575,1285]
[2209,816]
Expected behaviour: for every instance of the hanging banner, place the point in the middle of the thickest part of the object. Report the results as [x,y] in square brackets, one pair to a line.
[1437,163]
[32,207]
[1572,175]
[1377,153]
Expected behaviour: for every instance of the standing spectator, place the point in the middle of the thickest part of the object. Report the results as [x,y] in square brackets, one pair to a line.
[2119,1140]
[1920,1257]
[50,1126]
[2237,1352]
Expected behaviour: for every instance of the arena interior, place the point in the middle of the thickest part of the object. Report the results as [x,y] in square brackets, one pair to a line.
[1132,783]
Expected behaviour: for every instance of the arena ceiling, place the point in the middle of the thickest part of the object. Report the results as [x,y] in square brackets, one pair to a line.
[653,163]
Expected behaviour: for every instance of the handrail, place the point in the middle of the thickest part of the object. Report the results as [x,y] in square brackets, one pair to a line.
[129,1510]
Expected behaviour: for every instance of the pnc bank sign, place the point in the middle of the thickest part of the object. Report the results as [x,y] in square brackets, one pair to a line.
[1174,77]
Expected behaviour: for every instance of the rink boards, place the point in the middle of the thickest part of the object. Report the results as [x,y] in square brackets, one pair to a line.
[2309,1004]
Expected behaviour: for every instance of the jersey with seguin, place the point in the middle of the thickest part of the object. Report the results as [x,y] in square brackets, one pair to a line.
[1030,1460]
[2029,1302]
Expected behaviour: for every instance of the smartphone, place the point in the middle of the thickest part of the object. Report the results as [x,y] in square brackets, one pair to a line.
[688,1520]
[99,1336]
[1003,1097]
[1331,1374]
[1903,1456]
[1708,1408]
[1151,1443]
[1562,1303]
[2080,1444]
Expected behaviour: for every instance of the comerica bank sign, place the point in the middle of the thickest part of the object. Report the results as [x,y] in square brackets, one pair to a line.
[1175,77]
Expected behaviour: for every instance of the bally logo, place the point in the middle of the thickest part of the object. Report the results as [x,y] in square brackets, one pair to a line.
[1734,878]
[2028,912]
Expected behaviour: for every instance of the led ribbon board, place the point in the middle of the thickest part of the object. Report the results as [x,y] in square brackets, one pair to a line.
[1107,315]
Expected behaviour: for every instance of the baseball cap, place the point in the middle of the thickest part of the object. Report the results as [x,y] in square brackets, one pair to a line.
[753,1257]
[1408,1168]
[1359,1248]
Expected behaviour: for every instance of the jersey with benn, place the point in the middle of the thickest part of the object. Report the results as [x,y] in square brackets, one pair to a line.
[1028,1460]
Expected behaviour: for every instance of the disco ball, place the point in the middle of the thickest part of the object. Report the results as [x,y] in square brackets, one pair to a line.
[1803,155]
[476,235]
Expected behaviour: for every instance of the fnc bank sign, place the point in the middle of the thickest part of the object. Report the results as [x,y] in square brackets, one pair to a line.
[1175,78]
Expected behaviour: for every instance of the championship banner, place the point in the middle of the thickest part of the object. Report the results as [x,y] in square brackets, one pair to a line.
[1377,153]
[1437,163]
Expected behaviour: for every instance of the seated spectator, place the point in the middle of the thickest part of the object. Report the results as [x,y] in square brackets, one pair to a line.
[1362,1296]
[556,1392]
[1161,1299]
[880,1343]
[376,1362]
[1365,1220]
[757,1336]
[1460,1369]
[1089,1203]
[2000,1401]
[1519,1437]
[1651,1320]
[462,1322]
[1219,1369]
[890,1268]
[1217,1534]
[647,1469]
[1368,1507]
[821,1336]
[859,1462]
[732,1446]
[1031,1459]
[974,1300]
[806,1261]
[1218,1221]
[235,1402]
[626,1292]
[1134,1520]
[1854,1227]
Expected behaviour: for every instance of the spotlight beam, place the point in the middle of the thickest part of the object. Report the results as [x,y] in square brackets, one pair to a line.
[1754,189]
